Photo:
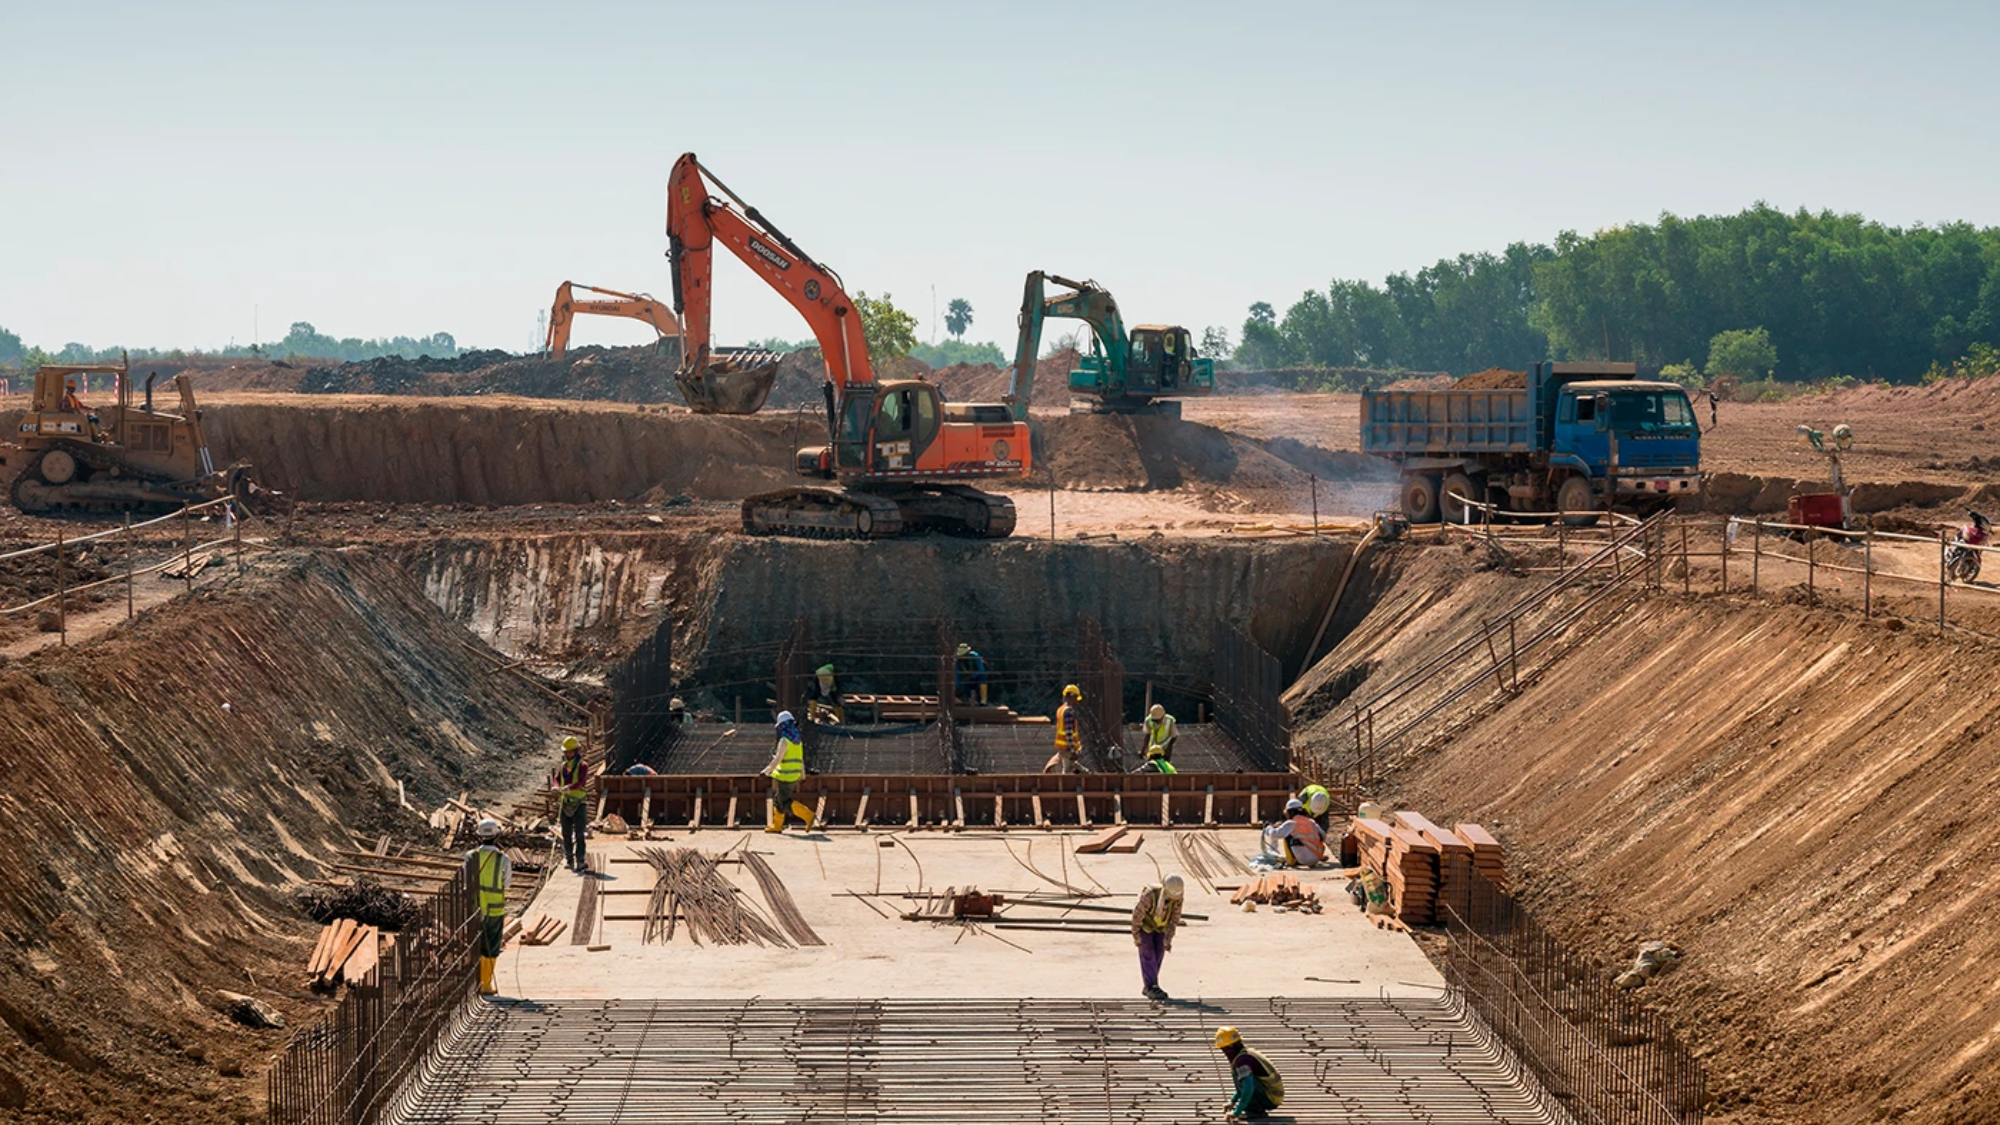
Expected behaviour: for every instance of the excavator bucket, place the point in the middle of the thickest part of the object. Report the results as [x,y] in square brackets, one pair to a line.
[735,383]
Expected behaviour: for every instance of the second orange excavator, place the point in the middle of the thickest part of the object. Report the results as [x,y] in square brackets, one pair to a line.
[743,391]
[904,458]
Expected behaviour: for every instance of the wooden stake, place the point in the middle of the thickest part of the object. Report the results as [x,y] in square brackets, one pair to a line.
[128,566]
[187,550]
[62,602]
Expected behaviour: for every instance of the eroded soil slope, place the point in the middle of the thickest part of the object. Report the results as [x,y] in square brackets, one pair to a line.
[1796,798]
[151,832]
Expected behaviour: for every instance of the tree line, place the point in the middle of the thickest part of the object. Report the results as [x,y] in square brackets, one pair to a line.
[1837,295]
[303,341]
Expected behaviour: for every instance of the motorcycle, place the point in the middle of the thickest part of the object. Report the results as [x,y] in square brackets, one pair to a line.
[1962,557]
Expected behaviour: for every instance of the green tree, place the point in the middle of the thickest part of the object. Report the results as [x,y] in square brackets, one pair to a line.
[1263,345]
[1215,342]
[890,331]
[958,317]
[10,347]
[1744,353]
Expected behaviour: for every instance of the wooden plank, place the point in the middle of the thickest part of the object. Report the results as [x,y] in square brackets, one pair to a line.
[346,948]
[1253,806]
[1128,844]
[423,873]
[914,820]
[646,809]
[360,968]
[1118,806]
[1102,840]
[343,933]
[957,807]
[1208,809]
[819,811]
[732,810]
[1166,808]
[999,813]
[694,822]
[321,948]
[1082,813]
[861,813]
[1041,821]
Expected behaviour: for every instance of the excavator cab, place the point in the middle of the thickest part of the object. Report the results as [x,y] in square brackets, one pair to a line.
[1159,358]
[884,427]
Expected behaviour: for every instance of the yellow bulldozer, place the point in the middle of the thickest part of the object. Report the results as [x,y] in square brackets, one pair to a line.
[68,453]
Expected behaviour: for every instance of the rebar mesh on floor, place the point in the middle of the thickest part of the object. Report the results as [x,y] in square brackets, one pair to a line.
[723,748]
[964,1062]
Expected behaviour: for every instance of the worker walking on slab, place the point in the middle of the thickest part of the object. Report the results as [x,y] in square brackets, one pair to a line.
[971,682]
[488,874]
[1069,732]
[572,783]
[1160,734]
[1297,839]
[788,766]
[1258,1088]
[1155,917]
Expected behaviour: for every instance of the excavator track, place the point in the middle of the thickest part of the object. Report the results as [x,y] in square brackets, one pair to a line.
[829,513]
[114,484]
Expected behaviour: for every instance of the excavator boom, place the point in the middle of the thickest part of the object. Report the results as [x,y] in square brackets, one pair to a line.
[696,221]
[1089,302]
[636,306]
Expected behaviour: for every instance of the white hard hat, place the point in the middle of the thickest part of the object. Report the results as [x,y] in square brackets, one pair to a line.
[784,717]
[487,828]
[676,703]
[1294,805]
[1174,887]
[1318,803]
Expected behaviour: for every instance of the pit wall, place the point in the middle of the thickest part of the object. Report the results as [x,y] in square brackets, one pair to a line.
[168,782]
[1796,798]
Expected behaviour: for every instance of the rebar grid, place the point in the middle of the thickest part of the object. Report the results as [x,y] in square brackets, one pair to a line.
[966,1061]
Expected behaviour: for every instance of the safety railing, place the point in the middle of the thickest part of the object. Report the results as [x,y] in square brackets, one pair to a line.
[1595,1047]
[130,537]
[353,1066]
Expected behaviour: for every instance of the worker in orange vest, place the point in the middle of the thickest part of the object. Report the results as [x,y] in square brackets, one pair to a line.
[1069,735]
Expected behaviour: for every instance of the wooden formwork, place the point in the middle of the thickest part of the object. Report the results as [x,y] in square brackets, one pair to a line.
[692,801]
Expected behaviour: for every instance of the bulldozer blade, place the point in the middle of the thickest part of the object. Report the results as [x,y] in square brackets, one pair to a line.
[734,385]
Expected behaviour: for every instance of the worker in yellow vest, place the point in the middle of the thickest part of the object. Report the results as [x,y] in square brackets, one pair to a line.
[488,873]
[1155,917]
[1161,732]
[1069,735]
[572,784]
[1318,801]
[787,767]
[1258,1087]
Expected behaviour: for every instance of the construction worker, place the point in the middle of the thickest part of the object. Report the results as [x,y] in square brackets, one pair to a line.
[823,697]
[788,765]
[971,676]
[1160,734]
[1318,801]
[1259,1088]
[1297,838]
[677,712]
[1069,734]
[1155,917]
[488,873]
[572,784]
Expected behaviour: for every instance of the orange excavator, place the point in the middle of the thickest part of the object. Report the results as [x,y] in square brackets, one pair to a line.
[742,394]
[903,458]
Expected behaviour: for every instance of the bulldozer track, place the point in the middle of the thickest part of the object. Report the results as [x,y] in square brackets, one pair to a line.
[828,513]
[31,493]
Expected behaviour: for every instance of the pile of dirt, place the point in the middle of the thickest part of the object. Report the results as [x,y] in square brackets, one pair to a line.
[396,375]
[155,835]
[1493,379]
[1144,452]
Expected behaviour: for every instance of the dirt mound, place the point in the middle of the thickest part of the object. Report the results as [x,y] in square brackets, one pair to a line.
[1493,379]
[395,375]
[154,836]
[1424,383]
[973,382]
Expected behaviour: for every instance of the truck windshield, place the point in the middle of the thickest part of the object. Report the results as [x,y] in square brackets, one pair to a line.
[1643,412]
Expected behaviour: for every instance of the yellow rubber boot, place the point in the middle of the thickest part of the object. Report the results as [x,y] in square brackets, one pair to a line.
[486,977]
[777,821]
[805,816]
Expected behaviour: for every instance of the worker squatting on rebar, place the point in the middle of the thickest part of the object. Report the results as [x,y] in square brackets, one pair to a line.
[1069,737]
[969,685]
[1155,917]
[1258,1088]
[572,785]
[488,873]
[1161,734]
[787,767]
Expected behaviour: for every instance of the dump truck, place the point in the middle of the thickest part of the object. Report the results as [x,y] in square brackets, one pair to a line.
[68,453]
[1577,440]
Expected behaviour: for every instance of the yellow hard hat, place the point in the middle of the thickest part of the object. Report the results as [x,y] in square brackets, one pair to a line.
[1156,712]
[570,742]
[1226,1037]
[964,650]
[1071,691]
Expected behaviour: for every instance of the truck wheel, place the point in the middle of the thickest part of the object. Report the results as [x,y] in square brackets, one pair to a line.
[1457,511]
[1575,496]
[1420,499]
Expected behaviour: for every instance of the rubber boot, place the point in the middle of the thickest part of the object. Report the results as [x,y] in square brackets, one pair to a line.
[777,821]
[486,977]
[805,816]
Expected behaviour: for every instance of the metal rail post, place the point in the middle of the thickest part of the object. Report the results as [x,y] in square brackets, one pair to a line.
[1315,490]
[1868,570]
[128,566]
[237,522]
[1727,527]
[1812,593]
[1756,551]
[1941,581]
[62,602]
[187,550]
[1687,575]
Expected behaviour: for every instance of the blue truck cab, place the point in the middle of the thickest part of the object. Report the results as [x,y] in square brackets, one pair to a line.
[1575,440]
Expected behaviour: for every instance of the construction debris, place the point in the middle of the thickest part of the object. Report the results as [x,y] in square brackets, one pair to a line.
[543,930]
[364,900]
[248,1010]
[347,950]
[1280,889]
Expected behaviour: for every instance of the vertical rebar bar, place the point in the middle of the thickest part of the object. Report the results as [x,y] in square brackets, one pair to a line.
[187,550]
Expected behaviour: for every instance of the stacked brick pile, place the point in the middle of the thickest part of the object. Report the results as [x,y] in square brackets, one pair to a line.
[1487,857]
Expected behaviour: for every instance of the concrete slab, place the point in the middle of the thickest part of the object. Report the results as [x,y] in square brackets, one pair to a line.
[871,956]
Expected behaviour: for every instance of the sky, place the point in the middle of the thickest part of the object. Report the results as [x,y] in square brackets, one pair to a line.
[193,174]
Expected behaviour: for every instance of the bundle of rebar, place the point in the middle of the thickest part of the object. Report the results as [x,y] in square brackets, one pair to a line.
[782,905]
[364,900]
[1206,857]
[688,888]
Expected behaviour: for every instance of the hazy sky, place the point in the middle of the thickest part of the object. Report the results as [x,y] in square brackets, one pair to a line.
[405,168]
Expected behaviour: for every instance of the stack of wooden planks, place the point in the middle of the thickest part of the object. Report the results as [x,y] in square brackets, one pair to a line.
[542,931]
[346,951]
[1280,888]
[1488,858]
[1103,840]
[1454,858]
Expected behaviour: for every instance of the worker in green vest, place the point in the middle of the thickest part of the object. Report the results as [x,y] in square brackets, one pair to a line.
[572,782]
[1259,1089]
[488,873]
[1318,801]
[787,767]
[1161,732]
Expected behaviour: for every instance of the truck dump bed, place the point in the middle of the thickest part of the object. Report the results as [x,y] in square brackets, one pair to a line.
[1455,422]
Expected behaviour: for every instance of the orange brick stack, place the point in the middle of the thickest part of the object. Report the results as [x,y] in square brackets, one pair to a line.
[1487,857]
[1413,876]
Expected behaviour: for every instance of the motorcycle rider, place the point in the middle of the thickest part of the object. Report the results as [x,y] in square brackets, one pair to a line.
[1962,560]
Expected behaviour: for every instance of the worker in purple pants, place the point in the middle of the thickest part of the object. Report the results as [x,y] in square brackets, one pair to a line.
[1155,917]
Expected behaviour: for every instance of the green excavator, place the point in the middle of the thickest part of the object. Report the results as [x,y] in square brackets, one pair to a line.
[1143,372]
